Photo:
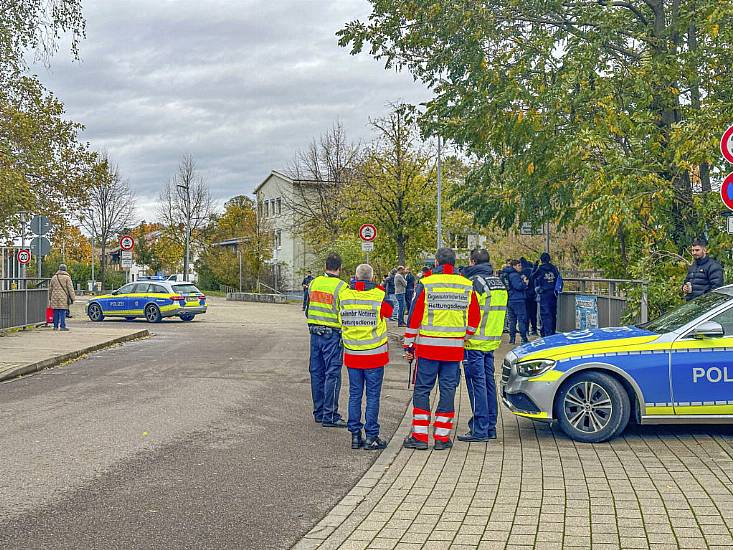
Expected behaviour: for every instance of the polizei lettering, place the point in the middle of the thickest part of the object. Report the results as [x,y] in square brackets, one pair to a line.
[712,374]
[447,300]
[359,318]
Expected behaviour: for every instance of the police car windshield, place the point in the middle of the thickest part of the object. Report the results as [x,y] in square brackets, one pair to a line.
[186,289]
[686,313]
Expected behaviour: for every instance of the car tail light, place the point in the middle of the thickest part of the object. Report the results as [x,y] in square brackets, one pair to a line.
[177,298]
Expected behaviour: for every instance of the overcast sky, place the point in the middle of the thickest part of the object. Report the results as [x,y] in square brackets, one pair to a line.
[239,84]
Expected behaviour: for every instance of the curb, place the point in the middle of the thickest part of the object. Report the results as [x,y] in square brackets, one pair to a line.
[59,359]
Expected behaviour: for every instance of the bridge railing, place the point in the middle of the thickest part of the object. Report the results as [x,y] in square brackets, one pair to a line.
[23,302]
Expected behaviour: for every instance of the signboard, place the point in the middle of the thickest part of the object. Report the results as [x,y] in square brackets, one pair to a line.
[367,232]
[40,225]
[726,191]
[586,311]
[730,224]
[126,255]
[40,246]
[126,263]
[527,229]
[726,145]
[127,242]
[367,246]
[24,256]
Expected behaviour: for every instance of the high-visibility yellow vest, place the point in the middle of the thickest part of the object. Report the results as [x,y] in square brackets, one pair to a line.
[323,308]
[362,326]
[447,297]
[492,300]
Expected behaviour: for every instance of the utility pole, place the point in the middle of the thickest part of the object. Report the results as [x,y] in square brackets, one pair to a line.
[187,201]
[239,253]
[94,283]
[22,246]
[440,207]
[547,237]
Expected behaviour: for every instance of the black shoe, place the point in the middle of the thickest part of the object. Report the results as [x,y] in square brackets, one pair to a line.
[443,445]
[375,444]
[470,438]
[338,424]
[357,442]
[317,420]
[412,443]
[525,341]
[512,342]
[492,434]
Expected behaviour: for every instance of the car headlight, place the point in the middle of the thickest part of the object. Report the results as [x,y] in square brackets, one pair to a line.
[535,367]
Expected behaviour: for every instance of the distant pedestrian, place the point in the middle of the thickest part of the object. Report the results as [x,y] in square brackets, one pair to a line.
[326,348]
[410,278]
[400,290]
[60,297]
[548,284]
[445,311]
[306,281]
[389,288]
[363,314]
[704,275]
[528,270]
[517,285]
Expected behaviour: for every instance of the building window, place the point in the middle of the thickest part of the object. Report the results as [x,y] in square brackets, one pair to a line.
[260,208]
[278,239]
[267,209]
[279,206]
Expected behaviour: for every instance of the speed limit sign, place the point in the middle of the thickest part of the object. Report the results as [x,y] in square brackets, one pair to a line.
[127,242]
[24,256]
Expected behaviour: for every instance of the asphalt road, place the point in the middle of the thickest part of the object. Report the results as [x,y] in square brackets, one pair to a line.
[198,437]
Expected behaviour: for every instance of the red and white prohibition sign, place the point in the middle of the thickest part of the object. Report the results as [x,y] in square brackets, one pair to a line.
[726,145]
[24,256]
[127,242]
[368,232]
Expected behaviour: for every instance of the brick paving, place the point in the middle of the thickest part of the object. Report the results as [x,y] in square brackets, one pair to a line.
[533,488]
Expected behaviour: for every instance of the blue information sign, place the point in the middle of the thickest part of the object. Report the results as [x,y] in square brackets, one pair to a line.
[586,311]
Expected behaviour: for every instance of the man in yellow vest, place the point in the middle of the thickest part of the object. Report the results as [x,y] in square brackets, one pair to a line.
[478,362]
[364,313]
[322,311]
[444,311]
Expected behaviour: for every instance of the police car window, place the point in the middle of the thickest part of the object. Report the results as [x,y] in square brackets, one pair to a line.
[686,313]
[158,289]
[726,321]
[186,289]
[141,288]
[126,289]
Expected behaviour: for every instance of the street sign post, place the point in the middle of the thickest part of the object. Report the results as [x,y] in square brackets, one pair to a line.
[367,232]
[126,263]
[367,246]
[41,225]
[726,144]
[40,246]
[127,242]
[24,256]
[726,191]
[126,254]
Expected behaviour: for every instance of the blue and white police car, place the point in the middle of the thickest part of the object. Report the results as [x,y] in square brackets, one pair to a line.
[152,299]
[675,369]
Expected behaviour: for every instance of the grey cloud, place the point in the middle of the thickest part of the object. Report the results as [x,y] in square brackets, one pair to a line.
[239,85]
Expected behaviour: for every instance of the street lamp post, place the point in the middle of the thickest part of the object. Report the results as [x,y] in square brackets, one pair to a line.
[440,208]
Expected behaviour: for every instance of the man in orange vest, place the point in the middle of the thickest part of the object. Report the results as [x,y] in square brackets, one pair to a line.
[444,311]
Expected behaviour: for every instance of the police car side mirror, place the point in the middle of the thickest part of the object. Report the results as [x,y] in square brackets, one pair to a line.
[115,292]
[708,329]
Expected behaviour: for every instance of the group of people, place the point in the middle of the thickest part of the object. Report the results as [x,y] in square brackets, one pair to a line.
[454,317]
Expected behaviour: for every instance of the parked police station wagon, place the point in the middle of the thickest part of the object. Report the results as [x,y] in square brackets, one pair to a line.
[676,369]
[152,299]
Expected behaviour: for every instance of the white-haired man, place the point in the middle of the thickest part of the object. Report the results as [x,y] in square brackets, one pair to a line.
[363,316]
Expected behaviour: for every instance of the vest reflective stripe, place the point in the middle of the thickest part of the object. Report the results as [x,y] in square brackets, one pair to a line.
[447,297]
[323,302]
[492,301]
[363,330]
[442,342]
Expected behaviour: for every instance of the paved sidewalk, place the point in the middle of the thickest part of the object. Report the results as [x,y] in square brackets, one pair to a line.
[28,351]
[661,488]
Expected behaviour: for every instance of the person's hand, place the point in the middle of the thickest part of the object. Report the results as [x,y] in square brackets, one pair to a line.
[687,288]
[409,354]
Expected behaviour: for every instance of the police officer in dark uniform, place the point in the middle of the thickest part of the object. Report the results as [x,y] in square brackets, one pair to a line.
[547,283]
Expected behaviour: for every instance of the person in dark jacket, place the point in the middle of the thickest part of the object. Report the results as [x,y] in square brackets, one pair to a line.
[306,282]
[528,270]
[517,286]
[410,287]
[547,283]
[389,288]
[704,275]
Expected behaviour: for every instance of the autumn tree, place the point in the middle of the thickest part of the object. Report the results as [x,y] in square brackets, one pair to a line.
[111,207]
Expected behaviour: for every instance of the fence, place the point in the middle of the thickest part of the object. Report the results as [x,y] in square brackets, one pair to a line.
[612,298]
[23,302]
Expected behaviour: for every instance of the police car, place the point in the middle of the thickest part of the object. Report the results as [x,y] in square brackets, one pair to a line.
[152,299]
[676,369]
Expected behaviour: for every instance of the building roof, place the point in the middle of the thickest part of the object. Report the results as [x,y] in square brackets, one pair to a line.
[287,178]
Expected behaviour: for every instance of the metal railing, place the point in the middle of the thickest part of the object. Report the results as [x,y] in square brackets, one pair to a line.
[612,299]
[23,302]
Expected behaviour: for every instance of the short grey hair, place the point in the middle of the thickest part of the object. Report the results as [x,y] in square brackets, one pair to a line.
[62,267]
[364,272]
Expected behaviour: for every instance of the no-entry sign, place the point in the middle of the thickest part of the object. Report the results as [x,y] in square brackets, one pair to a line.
[726,191]
[367,232]
[127,242]
[726,145]
[24,256]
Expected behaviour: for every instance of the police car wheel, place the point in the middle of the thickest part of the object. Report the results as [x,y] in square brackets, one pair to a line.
[592,407]
[95,312]
[152,314]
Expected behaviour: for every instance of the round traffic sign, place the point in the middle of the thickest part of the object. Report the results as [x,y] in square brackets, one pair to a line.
[24,256]
[726,144]
[726,191]
[127,242]
[368,232]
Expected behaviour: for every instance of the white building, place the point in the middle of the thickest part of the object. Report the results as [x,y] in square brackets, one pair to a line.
[290,254]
